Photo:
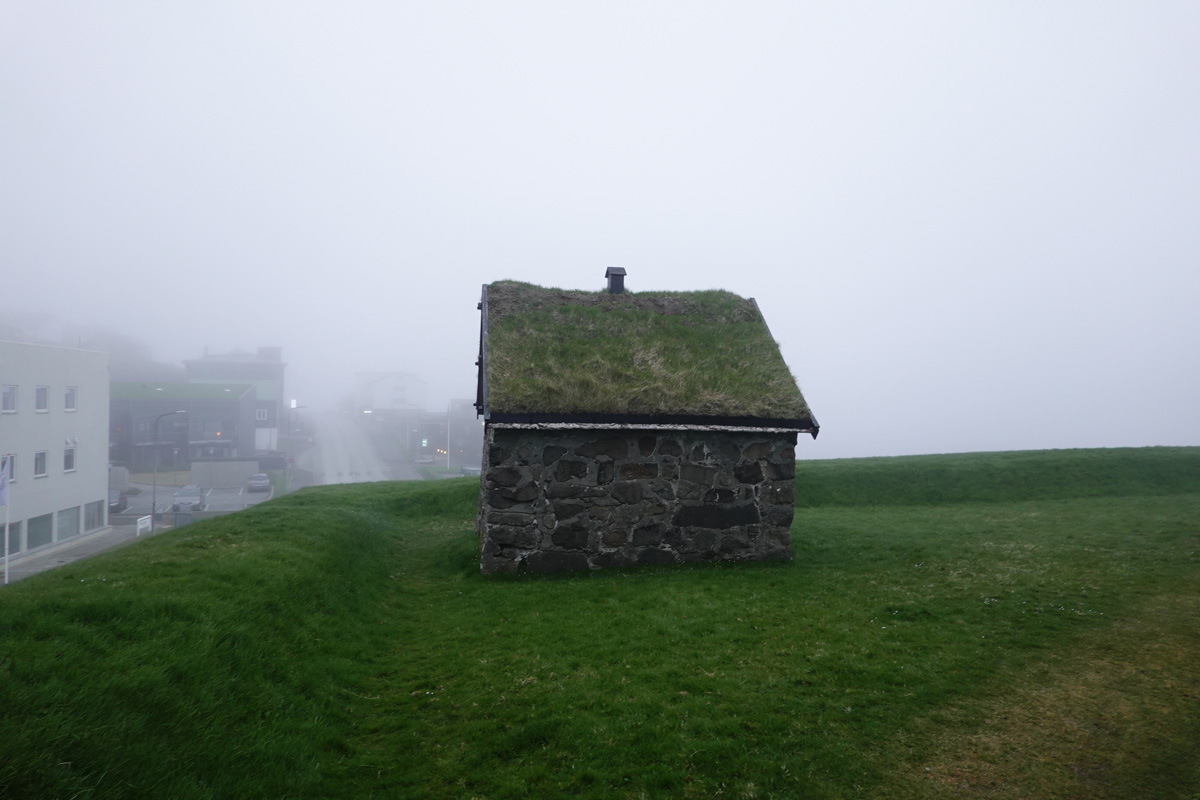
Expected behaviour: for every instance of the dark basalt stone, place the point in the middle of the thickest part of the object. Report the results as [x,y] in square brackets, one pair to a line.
[749,473]
[556,561]
[656,556]
[591,500]
[716,516]
[570,468]
[504,476]
[570,537]
[614,447]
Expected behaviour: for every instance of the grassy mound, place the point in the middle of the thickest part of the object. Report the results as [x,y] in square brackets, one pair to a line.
[998,477]
[997,625]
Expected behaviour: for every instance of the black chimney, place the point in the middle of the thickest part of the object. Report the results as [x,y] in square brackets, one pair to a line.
[616,279]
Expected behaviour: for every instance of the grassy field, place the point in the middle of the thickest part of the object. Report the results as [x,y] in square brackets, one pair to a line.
[1011,625]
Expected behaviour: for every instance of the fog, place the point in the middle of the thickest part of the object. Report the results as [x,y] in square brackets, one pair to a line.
[971,226]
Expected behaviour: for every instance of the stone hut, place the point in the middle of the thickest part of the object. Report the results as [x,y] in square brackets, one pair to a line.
[628,428]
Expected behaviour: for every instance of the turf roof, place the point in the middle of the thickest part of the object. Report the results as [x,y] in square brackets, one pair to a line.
[705,354]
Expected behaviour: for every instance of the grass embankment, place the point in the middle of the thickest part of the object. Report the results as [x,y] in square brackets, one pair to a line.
[993,625]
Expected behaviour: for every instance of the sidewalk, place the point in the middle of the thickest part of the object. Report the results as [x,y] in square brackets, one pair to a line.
[74,550]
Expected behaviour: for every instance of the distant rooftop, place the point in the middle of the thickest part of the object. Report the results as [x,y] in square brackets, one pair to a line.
[699,354]
[177,391]
[272,355]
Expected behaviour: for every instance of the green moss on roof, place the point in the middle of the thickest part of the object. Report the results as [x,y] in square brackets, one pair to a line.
[150,390]
[695,353]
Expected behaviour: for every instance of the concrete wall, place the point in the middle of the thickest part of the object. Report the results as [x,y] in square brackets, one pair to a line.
[554,500]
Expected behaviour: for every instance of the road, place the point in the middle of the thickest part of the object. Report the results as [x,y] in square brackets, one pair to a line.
[222,500]
[345,453]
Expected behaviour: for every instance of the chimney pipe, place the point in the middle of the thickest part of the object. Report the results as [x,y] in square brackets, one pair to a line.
[616,279]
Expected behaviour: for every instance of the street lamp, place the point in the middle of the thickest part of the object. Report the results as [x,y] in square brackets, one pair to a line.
[288,464]
[289,417]
[154,486]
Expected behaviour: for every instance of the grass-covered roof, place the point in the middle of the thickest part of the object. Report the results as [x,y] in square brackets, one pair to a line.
[705,354]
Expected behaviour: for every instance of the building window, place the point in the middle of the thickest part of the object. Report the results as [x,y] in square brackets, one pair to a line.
[207,430]
[39,530]
[41,399]
[12,467]
[14,537]
[69,459]
[93,515]
[68,523]
[9,402]
[39,464]
[260,414]
[69,399]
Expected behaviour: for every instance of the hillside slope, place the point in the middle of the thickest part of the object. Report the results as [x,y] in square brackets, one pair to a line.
[994,625]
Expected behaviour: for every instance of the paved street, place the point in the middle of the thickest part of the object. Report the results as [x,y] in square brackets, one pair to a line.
[218,500]
[346,452]
[74,550]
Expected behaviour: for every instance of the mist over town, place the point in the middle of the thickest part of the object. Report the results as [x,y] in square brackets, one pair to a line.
[969,228]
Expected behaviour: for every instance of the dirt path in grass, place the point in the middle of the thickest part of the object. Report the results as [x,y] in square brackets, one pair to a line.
[1116,716]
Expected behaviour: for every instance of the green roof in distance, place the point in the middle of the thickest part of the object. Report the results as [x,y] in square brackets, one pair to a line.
[152,390]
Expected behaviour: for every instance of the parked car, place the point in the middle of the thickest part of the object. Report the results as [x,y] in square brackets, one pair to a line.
[189,498]
[117,501]
[258,483]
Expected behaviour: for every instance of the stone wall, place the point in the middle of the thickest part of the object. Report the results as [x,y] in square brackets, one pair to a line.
[558,500]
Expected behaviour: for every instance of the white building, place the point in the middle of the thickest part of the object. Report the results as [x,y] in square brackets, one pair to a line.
[388,392]
[54,436]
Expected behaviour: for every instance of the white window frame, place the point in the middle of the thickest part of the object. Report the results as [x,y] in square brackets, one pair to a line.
[9,392]
[11,458]
[69,453]
[41,399]
[44,454]
[70,398]
[260,415]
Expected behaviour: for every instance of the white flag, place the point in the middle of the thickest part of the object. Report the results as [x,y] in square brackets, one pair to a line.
[4,482]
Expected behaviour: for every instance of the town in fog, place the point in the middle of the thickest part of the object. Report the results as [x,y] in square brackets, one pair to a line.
[969,229]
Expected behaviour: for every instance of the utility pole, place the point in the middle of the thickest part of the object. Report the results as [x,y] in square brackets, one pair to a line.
[154,486]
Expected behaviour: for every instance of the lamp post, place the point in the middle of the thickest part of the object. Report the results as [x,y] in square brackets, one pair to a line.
[154,486]
[290,457]
[289,416]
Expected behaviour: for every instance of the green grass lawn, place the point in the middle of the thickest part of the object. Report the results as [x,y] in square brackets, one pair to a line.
[1010,625]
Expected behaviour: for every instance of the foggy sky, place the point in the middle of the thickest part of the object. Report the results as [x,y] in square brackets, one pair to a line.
[971,226]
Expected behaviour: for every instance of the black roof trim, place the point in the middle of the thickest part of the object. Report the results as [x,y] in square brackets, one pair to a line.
[803,424]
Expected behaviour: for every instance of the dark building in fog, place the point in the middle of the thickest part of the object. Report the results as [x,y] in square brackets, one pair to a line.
[263,370]
[218,423]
